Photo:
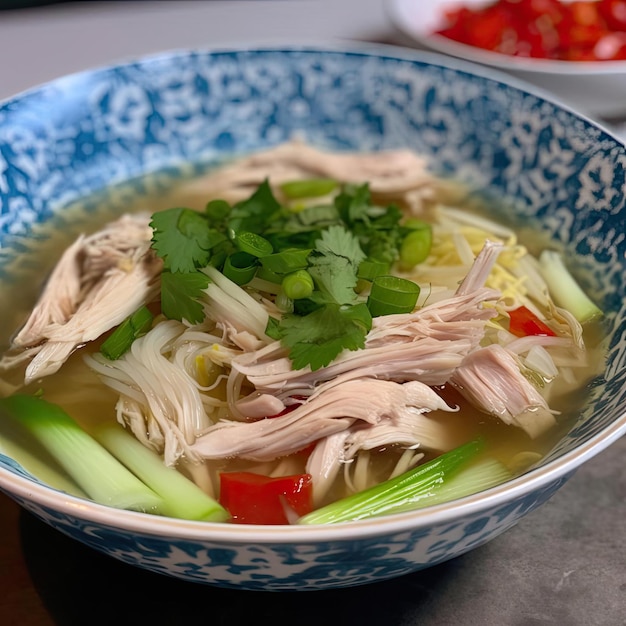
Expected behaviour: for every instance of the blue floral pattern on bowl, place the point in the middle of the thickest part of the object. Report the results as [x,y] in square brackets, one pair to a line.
[547,165]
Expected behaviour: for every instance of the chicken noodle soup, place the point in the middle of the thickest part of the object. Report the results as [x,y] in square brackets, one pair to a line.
[303,326]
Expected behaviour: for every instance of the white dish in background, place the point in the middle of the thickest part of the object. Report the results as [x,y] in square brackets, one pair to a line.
[596,88]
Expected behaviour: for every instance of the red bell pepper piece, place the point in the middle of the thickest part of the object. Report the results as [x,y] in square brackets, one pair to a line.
[524,322]
[256,499]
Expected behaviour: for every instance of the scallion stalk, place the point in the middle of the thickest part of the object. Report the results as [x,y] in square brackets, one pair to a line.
[94,469]
[309,188]
[411,490]
[240,267]
[391,294]
[478,476]
[120,340]
[416,245]
[182,498]
[566,292]
[253,244]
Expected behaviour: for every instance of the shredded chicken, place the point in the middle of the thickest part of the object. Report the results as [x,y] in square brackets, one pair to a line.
[427,345]
[410,429]
[159,400]
[491,379]
[326,412]
[99,281]
[399,175]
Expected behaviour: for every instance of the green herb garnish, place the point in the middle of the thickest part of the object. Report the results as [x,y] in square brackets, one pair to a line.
[318,254]
[454,474]
[120,340]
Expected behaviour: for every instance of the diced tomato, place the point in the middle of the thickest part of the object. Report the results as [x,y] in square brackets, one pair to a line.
[614,14]
[256,499]
[525,323]
[541,28]
[611,46]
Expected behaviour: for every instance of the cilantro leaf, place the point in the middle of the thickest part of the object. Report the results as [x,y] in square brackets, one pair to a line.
[180,293]
[183,239]
[335,262]
[255,213]
[354,203]
[340,242]
[377,228]
[329,240]
[319,337]
[273,328]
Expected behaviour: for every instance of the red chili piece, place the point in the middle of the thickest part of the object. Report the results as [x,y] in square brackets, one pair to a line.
[583,30]
[524,323]
[256,499]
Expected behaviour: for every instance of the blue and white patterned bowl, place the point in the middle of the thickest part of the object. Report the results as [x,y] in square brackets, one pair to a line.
[76,136]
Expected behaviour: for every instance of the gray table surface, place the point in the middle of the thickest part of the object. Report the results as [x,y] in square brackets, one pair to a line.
[564,564]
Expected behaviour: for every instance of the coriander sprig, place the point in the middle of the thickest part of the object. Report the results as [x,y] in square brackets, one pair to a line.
[317,251]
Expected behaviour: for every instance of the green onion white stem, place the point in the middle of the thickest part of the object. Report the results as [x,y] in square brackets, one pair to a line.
[478,476]
[566,292]
[181,497]
[414,489]
[98,473]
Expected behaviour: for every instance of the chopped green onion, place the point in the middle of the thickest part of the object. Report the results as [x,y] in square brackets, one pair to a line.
[266,274]
[370,269]
[391,294]
[566,292]
[408,491]
[94,469]
[310,188]
[181,497]
[240,267]
[298,284]
[138,324]
[416,245]
[415,223]
[287,260]
[253,244]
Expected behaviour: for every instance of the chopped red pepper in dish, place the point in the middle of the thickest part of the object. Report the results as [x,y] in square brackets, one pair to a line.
[582,30]
[256,499]
[524,323]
